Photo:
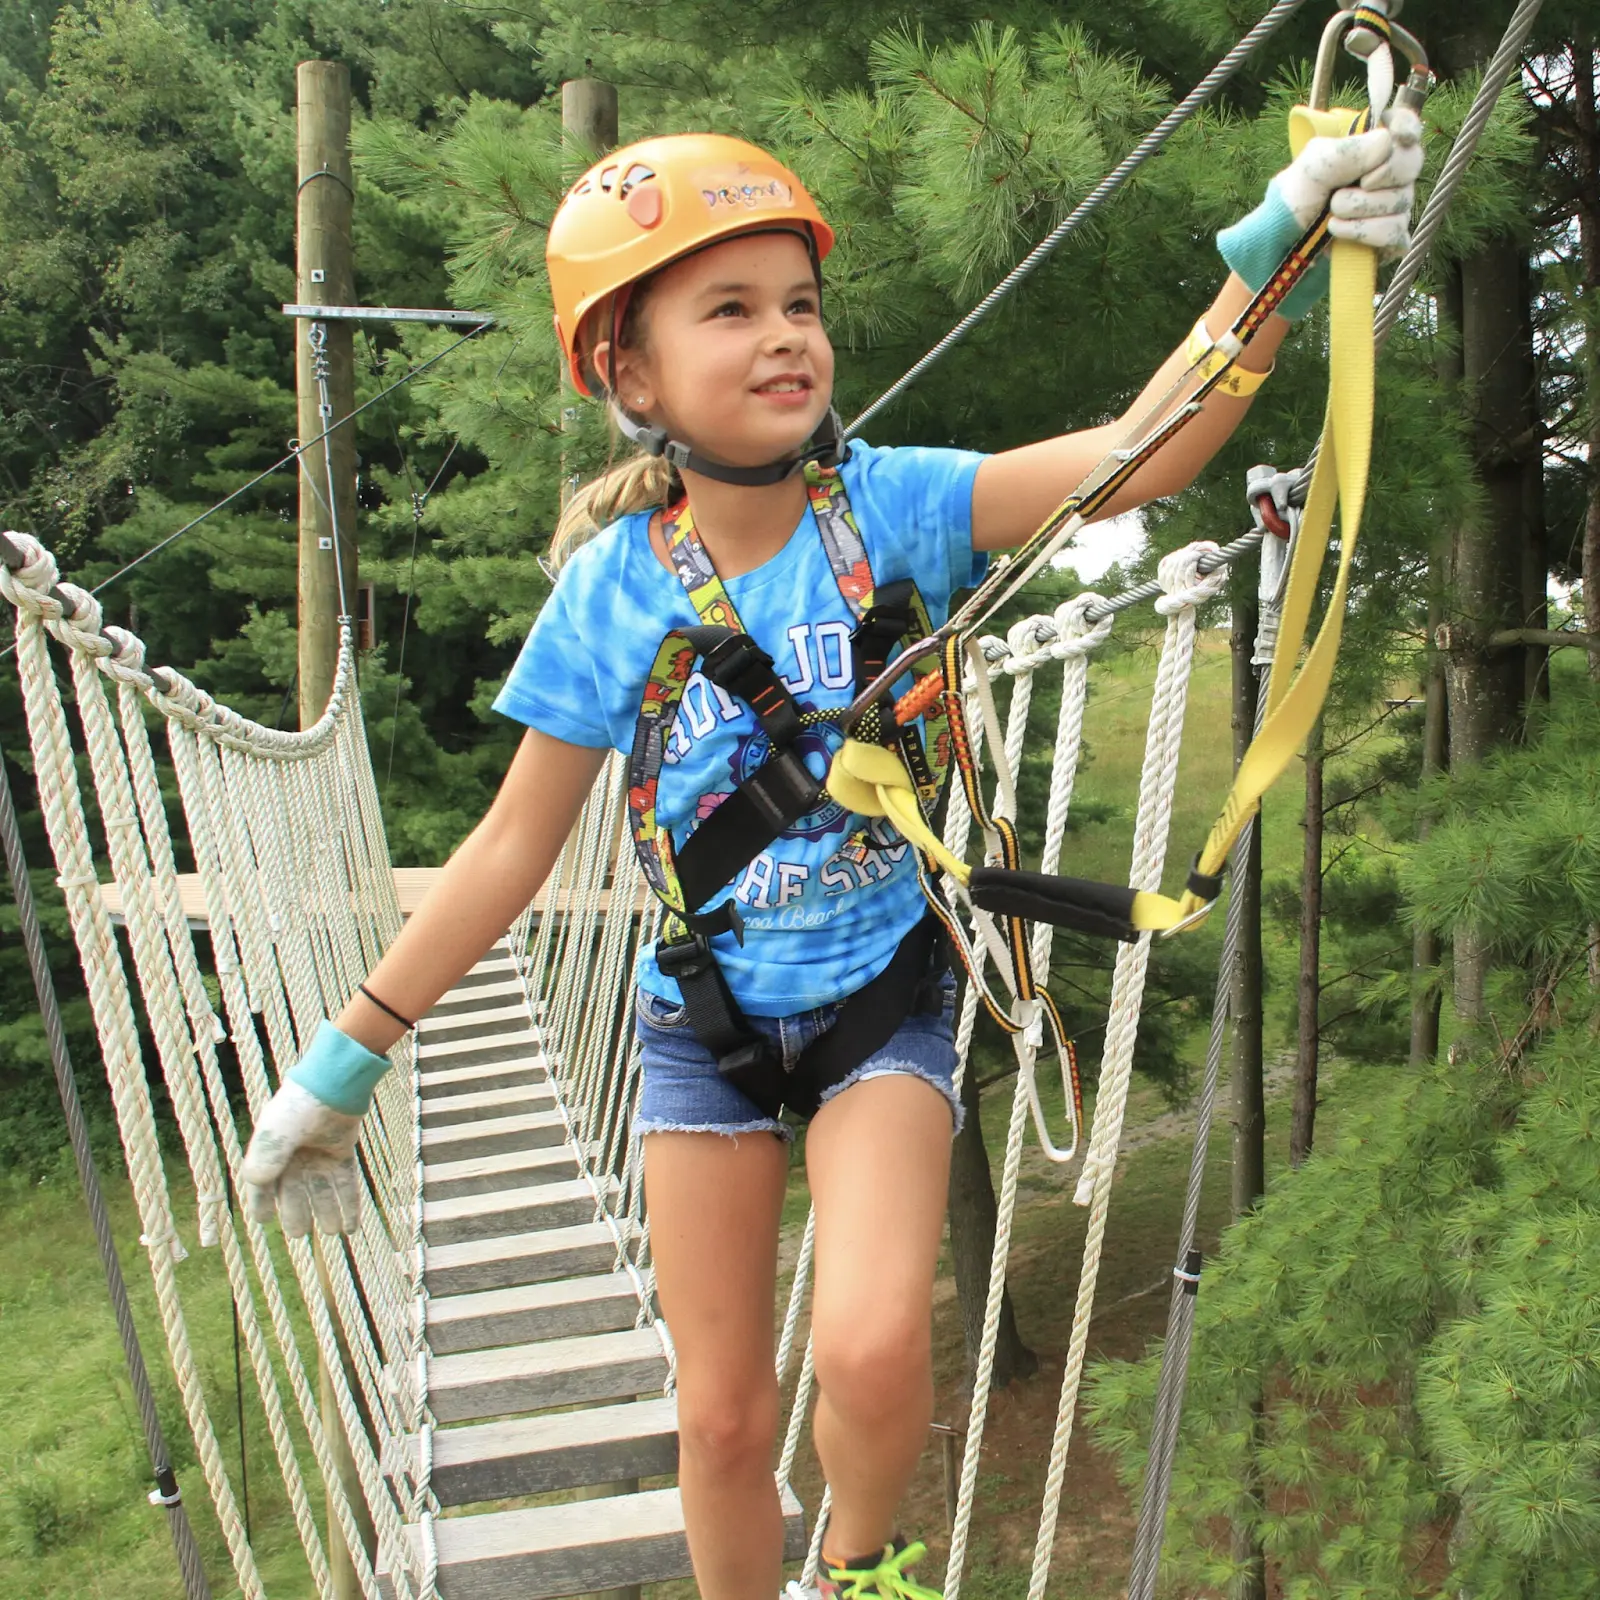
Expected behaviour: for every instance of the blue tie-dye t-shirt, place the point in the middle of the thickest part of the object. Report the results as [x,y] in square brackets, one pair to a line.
[817,926]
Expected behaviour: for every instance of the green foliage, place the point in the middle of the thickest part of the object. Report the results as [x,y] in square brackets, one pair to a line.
[1516,856]
[1416,1303]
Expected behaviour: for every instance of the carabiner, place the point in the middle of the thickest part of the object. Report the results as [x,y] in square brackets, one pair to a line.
[1364,28]
[885,680]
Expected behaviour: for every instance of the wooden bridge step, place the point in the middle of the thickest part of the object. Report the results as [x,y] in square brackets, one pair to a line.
[503,1045]
[563,1308]
[538,1455]
[508,1074]
[550,1551]
[513,1259]
[446,1180]
[554,1372]
[509,1016]
[521,1210]
[497,1136]
[493,989]
[485,1104]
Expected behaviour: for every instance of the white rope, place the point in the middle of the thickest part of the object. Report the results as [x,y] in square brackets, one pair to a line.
[288,846]
[1070,637]
[1185,588]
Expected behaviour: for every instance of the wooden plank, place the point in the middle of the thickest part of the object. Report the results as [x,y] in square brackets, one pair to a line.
[411,884]
[564,1308]
[497,988]
[519,1258]
[505,1046]
[459,1141]
[532,1207]
[538,1455]
[553,1372]
[550,1551]
[445,1180]
[512,1011]
[486,1104]
[483,1075]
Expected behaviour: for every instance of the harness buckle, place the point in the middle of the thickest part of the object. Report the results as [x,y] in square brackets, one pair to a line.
[756,1053]
[687,958]
[783,789]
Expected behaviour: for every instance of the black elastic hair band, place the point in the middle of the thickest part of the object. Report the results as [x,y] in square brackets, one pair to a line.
[388,1011]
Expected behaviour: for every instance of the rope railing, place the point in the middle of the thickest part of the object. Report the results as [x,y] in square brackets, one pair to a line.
[286,835]
[288,848]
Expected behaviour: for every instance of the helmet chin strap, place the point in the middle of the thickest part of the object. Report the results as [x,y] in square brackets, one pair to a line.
[826,446]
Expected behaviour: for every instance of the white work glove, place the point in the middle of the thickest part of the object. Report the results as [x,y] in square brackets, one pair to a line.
[301,1162]
[1367,181]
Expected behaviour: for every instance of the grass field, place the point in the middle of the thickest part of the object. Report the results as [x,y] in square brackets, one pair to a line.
[74,1522]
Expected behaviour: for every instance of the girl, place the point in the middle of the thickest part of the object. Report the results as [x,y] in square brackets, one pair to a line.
[686,274]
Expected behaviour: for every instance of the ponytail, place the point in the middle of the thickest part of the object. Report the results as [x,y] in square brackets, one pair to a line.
[641,483]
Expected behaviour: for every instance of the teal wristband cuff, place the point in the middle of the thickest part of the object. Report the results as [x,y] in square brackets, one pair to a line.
[338,1071]
[1255,246]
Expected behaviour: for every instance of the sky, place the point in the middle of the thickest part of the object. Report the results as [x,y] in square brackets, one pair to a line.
[1101,544]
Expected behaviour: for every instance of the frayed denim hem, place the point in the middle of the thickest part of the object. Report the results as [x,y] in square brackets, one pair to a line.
[904,1069]
[729,1130]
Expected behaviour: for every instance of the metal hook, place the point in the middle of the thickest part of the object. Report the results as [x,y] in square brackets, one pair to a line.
[1362,28]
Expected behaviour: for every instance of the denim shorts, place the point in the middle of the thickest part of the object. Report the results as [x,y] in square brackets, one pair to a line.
[684,1093]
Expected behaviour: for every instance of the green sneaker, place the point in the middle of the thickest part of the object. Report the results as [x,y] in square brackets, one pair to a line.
[888,1579]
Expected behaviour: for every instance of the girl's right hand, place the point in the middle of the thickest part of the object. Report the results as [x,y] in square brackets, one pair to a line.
[301,1163]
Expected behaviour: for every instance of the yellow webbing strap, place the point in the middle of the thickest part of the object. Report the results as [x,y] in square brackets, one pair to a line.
[872,781]
[1295,699]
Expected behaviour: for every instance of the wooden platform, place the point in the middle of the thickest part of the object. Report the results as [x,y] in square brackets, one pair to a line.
[545,1376]
[410,885]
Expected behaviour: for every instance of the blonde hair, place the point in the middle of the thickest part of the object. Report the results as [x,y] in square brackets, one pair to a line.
[641,483]
[638,483]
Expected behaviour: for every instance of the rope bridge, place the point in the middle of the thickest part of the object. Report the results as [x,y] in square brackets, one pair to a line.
[489,1334]
[501,1275]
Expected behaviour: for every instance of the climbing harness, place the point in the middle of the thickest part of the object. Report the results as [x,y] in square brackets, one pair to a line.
[1294,699]
[770,800]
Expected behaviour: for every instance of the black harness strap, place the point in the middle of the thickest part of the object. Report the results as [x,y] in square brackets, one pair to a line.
[774,797]
[867,1021]
[763,808]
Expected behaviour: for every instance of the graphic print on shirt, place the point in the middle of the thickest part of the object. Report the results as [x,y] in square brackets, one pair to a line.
[821,661]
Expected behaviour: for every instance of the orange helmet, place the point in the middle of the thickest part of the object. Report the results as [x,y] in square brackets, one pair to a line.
[652,202]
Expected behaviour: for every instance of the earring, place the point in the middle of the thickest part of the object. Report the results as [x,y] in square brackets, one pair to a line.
[639,400]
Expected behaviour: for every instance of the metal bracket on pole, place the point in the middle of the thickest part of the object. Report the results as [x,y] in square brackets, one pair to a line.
[456,319]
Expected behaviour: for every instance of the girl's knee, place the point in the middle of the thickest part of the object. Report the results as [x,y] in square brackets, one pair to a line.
[728,1429]
[881,1364]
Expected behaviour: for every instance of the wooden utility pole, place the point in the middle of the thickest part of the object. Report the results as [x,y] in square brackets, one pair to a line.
[324,370]
[588,129]
[324,374]
[589,115]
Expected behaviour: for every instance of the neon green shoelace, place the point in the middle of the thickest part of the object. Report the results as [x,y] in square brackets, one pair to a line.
[887,1580]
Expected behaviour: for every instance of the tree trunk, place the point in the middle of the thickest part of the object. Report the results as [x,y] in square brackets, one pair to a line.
[1426,947]
[1486,686]
[1244,1000]
[1586,154]
[1249,1088]
[1247,1549]
[1302,1127]
[972,1222]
